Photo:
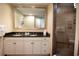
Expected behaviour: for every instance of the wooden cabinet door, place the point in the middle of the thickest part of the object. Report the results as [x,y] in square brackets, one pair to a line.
[19,45]
[9,46]
[27,46]
[37,47]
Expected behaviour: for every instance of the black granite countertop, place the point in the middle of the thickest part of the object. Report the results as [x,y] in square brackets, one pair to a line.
[22,34]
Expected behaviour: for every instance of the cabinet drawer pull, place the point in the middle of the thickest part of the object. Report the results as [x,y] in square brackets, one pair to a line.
[44,50]
[32,42]
[44,39]
[45,44]
[14,43]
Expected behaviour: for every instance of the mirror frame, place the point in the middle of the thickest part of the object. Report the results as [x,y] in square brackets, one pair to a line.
[14,8]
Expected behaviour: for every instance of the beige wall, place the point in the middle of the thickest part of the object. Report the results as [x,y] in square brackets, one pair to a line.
[50,25]
[6,17]
[77,31]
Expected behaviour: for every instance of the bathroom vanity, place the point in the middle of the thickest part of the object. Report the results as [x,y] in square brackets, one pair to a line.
[32,44]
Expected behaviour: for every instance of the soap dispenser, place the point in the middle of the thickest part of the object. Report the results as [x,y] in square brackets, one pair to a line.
[44,32]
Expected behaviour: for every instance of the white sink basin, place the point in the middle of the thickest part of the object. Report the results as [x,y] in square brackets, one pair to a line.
[32,35]
[24,35]
[17,35]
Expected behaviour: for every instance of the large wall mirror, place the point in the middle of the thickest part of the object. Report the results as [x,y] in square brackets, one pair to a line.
[29,18]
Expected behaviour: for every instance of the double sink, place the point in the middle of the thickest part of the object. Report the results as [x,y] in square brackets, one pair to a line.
[26,34]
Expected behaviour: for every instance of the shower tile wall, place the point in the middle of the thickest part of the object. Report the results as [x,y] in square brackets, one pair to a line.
[65,25]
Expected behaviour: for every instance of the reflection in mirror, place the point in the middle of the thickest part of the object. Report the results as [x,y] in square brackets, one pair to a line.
[40,22]
[29,22]
[29,18]
[18,19]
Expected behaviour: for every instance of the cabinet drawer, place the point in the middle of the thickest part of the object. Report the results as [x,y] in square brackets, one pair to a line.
[37,39]
[45,39]
[44,44]
[45,47]
[44,51]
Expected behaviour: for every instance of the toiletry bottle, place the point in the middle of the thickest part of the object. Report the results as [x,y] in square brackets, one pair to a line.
[44,33]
